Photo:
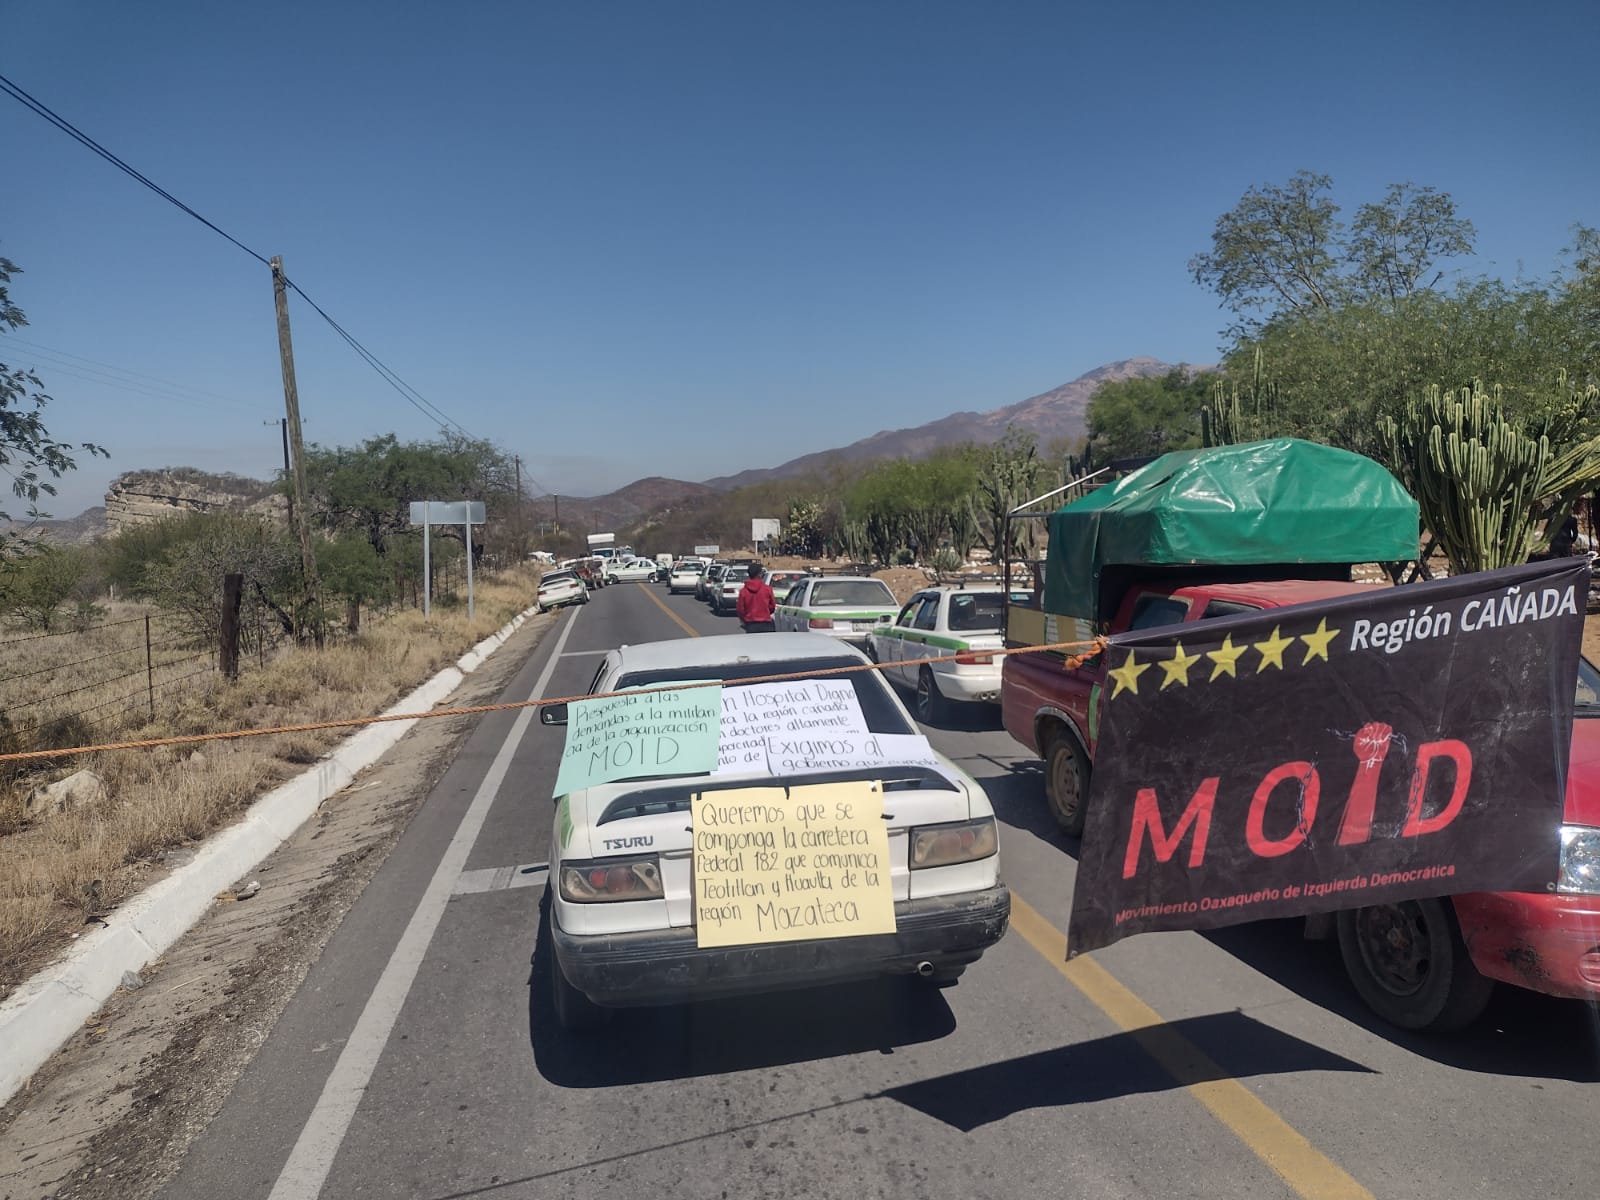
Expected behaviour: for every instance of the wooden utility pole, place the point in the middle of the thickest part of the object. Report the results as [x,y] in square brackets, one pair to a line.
[309,607]
[283,423]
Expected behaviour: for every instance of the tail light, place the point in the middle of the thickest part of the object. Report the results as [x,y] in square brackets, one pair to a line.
[820,623]
[962,841]
[977,660]
[612,879]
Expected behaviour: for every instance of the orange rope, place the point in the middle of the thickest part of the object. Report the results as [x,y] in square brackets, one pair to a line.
[1090,649]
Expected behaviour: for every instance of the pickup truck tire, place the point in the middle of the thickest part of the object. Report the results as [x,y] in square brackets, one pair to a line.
[1066,781]
[575,1012]
[932,707]
[1409,964]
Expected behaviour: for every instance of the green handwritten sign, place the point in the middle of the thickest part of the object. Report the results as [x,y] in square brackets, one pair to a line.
[639,734]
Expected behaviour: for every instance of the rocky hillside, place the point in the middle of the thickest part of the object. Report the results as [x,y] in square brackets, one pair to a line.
[626,506]
[1058,413]
[140,497]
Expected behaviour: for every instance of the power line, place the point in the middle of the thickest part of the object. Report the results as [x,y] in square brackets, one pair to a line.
[103,372]
[411,395]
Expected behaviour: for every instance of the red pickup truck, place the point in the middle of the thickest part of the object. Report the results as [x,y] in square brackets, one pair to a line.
[1423,964]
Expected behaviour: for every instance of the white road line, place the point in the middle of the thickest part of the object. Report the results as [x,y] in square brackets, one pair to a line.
[311,1159]
[495,879]
[583,653]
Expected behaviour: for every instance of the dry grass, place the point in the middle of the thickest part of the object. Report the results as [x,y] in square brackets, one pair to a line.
[57,872]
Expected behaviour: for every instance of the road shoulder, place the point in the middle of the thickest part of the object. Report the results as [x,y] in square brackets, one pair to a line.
[114,1111]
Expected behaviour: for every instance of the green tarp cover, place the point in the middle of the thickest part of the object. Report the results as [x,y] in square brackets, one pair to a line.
[1273,502]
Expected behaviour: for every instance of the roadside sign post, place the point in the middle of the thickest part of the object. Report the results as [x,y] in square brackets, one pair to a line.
[429,513]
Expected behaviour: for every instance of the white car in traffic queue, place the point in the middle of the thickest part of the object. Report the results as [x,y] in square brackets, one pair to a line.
[621,902]
[713,576]
[841,606]
[631,570]
[957,625]
[558,588]
[725,599]
[685,576]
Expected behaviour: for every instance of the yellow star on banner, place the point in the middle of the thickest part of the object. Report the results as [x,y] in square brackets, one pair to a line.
[1226,657]
[1271,650]
[1317,641]
[1127,676]
[1177,667]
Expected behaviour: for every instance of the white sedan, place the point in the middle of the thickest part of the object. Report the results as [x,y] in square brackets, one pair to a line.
[623,899]
[959,626]
[632,570]
[841,606]
[557,588]
[685,576]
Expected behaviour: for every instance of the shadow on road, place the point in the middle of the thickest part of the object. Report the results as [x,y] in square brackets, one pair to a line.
[1521,1034]
[1018,799]
[1113,1066]
[718,1036]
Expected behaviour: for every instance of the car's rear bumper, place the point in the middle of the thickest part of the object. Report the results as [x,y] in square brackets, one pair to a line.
[1547,942]
[626,970]
[971,684]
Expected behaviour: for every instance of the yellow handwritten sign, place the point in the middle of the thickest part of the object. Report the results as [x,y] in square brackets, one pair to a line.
[784,865]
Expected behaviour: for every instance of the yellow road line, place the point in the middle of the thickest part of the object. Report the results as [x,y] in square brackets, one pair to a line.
[661,604]
[1270,1138]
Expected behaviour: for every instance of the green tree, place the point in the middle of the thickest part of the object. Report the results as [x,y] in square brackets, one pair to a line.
[28,454]
[1282,251]
[351,570]
[203,547]
[1145,415]
[39,584]
[369,488]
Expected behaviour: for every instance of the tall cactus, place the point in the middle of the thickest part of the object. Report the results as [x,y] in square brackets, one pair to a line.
[1478,477]
[1230,417]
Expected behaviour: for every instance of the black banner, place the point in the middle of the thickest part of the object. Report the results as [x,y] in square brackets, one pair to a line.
[1402,743]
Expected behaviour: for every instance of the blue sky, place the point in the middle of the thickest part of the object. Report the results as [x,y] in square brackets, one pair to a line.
[683,239]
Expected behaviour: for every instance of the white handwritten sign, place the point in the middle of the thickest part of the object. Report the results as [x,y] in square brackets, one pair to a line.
[792,754]
[750,715]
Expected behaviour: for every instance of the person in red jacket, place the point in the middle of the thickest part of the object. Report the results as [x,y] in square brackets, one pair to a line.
[756,602]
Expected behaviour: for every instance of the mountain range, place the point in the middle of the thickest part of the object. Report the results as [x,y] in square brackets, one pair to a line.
[1056,414]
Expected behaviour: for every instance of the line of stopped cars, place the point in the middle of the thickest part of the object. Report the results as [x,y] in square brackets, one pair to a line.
[621,898]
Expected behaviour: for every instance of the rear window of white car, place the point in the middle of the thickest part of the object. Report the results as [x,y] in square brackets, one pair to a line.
[558,577]
[975,611]
[845,593]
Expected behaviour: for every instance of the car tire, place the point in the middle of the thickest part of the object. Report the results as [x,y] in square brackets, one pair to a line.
[1066,781]
[932,707]
[1409,964]
[575,1012]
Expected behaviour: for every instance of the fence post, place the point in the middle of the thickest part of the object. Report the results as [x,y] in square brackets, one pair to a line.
[149,669]
[232,596]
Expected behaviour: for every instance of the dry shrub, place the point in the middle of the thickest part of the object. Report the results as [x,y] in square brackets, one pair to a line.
[161,797]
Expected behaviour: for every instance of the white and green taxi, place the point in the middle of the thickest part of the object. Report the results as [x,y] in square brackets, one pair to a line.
[623,898]
[841,606]
[960,627]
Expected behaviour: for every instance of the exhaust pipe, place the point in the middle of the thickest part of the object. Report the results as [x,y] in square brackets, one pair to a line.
[925,969]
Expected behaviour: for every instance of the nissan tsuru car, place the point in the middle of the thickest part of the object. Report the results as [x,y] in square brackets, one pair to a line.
[561,587]
[622,890]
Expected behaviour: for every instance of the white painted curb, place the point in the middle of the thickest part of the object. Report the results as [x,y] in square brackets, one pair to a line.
[44,1012]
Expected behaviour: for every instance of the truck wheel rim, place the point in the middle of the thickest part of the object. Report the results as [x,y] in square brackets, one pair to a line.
[1064,785]
[1394,944]
[924,695]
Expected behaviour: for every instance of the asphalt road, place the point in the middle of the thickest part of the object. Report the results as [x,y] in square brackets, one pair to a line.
[421,1059]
